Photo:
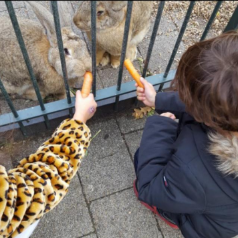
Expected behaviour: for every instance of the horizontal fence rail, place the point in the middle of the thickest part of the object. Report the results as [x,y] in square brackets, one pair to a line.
[102,94]
[120,91]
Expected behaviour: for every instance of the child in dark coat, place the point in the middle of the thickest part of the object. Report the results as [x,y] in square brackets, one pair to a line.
[187,172]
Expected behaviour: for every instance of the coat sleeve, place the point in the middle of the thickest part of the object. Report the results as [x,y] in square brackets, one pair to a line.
[163,180]
[41,180]
[169,102]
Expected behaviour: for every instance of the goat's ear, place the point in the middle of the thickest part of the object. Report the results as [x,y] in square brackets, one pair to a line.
[46,19]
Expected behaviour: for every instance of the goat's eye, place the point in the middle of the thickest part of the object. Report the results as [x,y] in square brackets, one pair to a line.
[99,13]
[66,51]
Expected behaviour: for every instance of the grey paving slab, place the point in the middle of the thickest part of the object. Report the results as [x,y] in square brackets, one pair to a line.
[167,231]
[104,176]
[128,123]
[121,215]
[108,141]
[69,219]
[133,141]
[163,46]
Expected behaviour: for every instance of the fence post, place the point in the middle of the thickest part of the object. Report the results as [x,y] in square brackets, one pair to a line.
[233,23]
[180,36]
[153,36]
[124,47]
[208,26]
[152,41]
[25,56]
[54,8]
[93,34]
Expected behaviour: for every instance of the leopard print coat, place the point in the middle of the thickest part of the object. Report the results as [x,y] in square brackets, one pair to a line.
[41,180]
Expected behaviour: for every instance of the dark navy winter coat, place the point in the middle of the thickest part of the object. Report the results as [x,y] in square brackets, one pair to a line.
[177,174]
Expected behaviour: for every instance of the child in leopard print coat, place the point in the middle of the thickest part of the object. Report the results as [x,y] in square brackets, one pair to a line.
[41,180]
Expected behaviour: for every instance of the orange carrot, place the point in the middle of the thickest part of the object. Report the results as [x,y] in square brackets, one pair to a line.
[87,84]
[135,75]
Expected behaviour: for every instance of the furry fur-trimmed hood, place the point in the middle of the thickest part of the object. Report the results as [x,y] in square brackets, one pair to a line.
[226,151]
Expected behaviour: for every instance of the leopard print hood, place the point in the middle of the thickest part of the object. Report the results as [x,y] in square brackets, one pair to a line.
[226,152]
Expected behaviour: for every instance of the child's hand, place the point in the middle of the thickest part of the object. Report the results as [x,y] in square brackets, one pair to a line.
[147,94]
[85,108]
[168,114]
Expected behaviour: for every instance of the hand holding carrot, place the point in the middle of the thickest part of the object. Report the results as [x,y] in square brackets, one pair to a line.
[147,94]
[85,105]
[85,108]
[145,91]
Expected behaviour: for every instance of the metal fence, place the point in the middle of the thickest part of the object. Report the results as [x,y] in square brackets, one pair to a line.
[109,95]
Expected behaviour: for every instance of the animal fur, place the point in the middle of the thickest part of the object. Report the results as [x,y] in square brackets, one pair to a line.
[226,152]
[42,48]
[110,27]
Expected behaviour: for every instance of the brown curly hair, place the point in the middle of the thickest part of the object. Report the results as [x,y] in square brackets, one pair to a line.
[207,81]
